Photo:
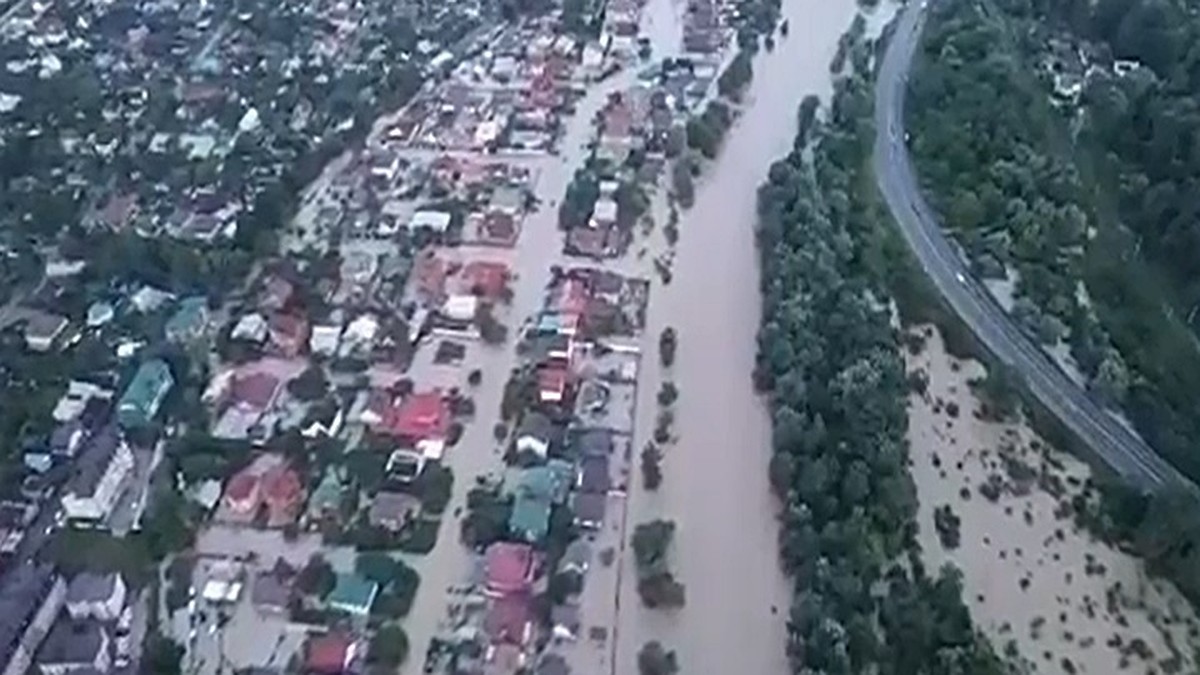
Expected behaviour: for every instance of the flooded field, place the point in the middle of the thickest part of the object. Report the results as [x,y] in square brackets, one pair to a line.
[1036,585]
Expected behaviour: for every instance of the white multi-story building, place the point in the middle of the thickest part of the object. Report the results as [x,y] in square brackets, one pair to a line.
[99,478]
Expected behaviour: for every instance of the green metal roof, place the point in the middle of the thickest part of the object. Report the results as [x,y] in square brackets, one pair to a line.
[352,593]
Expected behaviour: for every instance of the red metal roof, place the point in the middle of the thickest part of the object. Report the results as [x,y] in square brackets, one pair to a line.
[241,486]
[487,278]
[256,390]
[510,567]
[329,654]
[509,619]
[419,416]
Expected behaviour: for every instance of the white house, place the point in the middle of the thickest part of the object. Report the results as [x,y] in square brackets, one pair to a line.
[96,596]
[99,478]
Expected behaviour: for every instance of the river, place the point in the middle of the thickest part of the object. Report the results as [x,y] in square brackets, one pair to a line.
[715,486]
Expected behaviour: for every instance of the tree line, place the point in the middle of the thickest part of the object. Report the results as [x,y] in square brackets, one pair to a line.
[830,359]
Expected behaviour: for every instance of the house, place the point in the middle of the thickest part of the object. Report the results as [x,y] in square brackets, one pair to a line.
[353,595]
[530,517]
[552,384]
[149,299]
[42,329]
[189,322]
[268,489]
[96,596]
[145,394]
[326,500]
[538,490]
[551,349]
[510,568]
[418,417]
[437,221]
[393,510]
[98,477]
[509,620]
[288,334]
[589,509]
[283,495]
[99,313]
[594,474]
[332,654]
[75,647]
[497,228]
[31,596]
[246,399]
[536,434]
[486,279]
[325,339]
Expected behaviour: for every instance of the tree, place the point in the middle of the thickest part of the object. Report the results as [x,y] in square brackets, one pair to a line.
[683,186]
[666,346]
[703,136]
[654,659]
[310,385]
[650,541]
[651,467]
[492,331]
[389,646]
[737,76]
[163,656]
[316,578]
[661,591]
[667,394]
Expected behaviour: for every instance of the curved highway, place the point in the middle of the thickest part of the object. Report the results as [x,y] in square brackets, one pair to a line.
[1114,443]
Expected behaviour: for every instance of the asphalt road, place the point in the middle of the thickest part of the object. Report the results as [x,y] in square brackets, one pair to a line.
[1113,442]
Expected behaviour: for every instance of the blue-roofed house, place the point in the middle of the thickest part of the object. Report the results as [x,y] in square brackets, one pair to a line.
[145,393]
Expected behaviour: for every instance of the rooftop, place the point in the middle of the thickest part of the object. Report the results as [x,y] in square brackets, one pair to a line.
[93,461]
[510,567]
[22,592]
[352,593]
[89,587]
[72,643]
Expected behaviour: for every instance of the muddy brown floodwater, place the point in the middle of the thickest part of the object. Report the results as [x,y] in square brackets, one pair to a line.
[715,486]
